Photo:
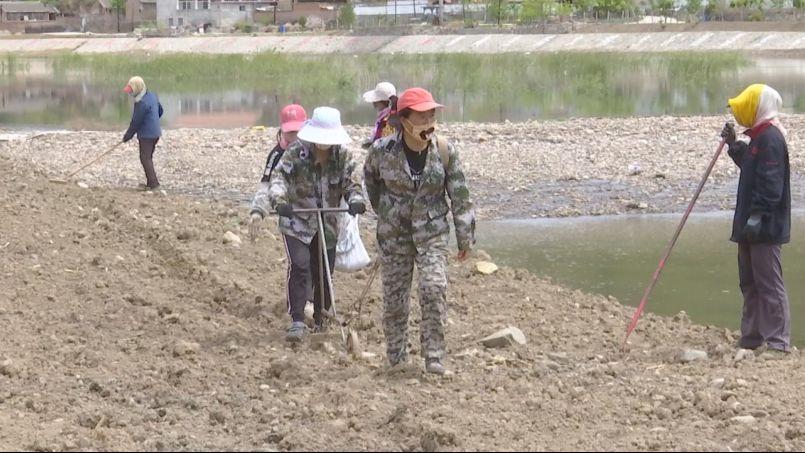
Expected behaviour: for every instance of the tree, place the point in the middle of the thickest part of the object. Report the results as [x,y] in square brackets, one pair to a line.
[584,6]
[534,10]
[694,7]
[346,15]
[496,8]
[118,5]
[665,8]
[741,5]
[798,5]
[757,5]
[611,6]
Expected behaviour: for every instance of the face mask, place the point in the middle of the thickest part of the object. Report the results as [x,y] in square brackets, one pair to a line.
[420,134]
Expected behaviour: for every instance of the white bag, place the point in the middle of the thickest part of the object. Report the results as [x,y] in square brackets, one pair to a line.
[350,254]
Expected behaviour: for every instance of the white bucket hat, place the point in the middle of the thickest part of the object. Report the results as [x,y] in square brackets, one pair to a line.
[382,92]
[324,128]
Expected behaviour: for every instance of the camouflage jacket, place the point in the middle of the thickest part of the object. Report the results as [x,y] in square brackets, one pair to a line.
[303,184]
[409,219]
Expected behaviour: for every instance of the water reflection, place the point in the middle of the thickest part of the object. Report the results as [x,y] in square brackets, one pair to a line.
[81,92]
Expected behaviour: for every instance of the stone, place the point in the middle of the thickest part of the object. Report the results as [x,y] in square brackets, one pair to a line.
[744,354]
[744,419]
[83,185]
[217,417]
[9,368]
[485,267]
[503,338]
[232,238]
[183,348]
[692,355]
[717,383]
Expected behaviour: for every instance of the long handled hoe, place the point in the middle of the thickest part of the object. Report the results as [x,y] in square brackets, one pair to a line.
[94,160]
[661,265]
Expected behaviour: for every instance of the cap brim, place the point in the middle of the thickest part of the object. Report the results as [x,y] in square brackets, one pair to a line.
[314,134]
[373,96]
[425,106]
[292,126]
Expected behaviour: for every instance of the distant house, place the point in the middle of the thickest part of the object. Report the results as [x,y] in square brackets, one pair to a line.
[101,8]
[138,11]
[15,12]
[224,14]
[196,14]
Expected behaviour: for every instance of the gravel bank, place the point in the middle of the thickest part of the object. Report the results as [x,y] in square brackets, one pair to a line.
[534,169]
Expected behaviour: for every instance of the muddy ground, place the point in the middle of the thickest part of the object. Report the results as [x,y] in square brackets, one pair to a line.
[516,170]
[127,324]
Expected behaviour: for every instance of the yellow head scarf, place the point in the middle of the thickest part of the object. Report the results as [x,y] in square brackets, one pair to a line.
[744,106]
[757,104]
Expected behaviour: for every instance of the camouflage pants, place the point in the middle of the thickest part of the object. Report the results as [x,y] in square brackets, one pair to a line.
[398,271]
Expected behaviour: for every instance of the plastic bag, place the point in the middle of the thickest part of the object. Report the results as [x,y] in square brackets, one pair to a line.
[350,254]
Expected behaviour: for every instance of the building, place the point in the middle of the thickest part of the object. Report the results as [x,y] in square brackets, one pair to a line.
[205,14]
[29,17]
[139,11]
[225,14]
[12,12]
[101,8]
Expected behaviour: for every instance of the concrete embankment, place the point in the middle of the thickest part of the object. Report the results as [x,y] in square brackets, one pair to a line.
[755,41]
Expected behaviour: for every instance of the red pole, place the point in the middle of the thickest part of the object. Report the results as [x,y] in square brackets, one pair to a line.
[670,247]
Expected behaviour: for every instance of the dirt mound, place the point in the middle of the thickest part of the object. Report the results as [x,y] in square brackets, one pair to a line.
[129,324]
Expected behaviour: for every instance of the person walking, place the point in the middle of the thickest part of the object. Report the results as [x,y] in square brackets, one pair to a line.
[292,118]
[317,171]
[409,177]
[381,98]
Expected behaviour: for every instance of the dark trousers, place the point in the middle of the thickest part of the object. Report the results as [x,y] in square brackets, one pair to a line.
[766,317]
[147,147]
[303,268]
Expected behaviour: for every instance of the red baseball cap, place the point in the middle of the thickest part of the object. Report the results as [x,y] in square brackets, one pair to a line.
[418,99]
[292,118]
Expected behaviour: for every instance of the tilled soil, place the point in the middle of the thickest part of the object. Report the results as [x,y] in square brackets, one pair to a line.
[128,324]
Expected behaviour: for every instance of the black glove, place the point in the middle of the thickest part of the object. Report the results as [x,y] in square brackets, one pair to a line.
[285,210]
[357,208]
[728,134]
[752,228]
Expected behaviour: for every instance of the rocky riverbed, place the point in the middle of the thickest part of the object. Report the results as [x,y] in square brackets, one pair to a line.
[516,170]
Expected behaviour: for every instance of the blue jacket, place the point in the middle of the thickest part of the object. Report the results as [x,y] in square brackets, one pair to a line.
[145,119]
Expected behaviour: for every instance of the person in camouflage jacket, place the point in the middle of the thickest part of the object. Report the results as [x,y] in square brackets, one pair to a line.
[316,171]
[407,182]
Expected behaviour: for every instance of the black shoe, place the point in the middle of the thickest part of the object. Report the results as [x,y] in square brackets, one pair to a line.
[320,326]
